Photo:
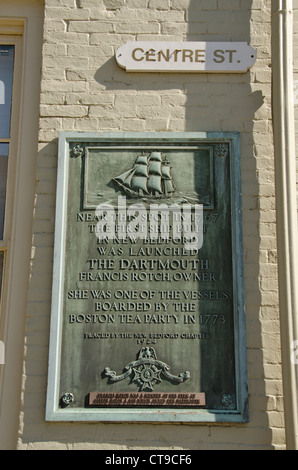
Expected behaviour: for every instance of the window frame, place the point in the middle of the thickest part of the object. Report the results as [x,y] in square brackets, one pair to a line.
[12,140]
[22,23]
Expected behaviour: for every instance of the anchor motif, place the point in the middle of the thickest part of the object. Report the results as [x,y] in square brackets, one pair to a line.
[147,370]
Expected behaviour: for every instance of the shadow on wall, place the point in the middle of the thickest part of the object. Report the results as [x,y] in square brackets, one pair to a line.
[220,102]
[227,103]
[213,102]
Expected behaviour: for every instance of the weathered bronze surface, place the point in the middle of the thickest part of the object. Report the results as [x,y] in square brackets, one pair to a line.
[146,316]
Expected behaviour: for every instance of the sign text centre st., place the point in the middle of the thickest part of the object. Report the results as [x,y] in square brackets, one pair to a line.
[211,57]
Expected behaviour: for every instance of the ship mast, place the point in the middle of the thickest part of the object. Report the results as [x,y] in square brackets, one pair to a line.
[150,175]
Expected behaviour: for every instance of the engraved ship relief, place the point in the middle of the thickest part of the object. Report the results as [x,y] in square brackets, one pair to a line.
[147,370]
[150,177]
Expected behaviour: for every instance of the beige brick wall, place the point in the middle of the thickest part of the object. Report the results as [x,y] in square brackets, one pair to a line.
[83,89]
[295,66]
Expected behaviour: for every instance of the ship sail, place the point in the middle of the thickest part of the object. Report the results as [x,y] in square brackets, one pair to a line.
[150,176]
[140,176]
[166,172]
[155,168]
[141,166]
[142,159]
[155,156]
[167,178]
[125,178]
[154,183]
[139,183]
[169,188]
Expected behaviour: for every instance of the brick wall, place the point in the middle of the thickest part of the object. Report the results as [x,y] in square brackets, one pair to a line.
[83,89]
[295,66]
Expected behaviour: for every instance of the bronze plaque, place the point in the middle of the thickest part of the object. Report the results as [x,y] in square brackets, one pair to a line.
[146,399]
[147,297]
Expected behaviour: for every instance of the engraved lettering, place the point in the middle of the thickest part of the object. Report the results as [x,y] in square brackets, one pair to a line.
[176,54]
[230,52]
[187,54]
[218,56]
[150,55]
[200,55]
[165,55]
[146,399]
[142,293]
[77,294]
[139,58]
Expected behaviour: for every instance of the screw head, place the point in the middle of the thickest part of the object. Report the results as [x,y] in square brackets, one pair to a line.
[67,398]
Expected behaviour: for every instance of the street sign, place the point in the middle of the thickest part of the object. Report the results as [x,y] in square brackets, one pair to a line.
[185,57]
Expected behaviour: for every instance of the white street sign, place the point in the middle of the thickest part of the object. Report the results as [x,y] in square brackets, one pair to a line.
[195,57]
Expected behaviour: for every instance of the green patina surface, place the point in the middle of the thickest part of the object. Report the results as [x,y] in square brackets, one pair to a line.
[143,314]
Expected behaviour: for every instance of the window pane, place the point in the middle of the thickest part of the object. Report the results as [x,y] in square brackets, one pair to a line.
[1,270]
[6,76]
[3,177]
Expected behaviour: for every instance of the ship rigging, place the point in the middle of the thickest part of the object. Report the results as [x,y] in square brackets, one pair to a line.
[150,177]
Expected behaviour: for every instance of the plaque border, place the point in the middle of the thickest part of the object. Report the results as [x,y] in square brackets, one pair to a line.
[174,415]
[162,147]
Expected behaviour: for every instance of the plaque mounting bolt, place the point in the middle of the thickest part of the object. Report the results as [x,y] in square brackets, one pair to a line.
[226,399]
[221,150]
[67,398]
[78,150]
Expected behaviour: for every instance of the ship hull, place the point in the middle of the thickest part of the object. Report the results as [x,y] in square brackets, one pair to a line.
[135,194]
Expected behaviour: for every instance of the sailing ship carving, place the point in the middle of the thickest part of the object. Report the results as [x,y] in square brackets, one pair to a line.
[150,176]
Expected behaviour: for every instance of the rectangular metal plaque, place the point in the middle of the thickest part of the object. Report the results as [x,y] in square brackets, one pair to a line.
[148,306]
[146,399]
